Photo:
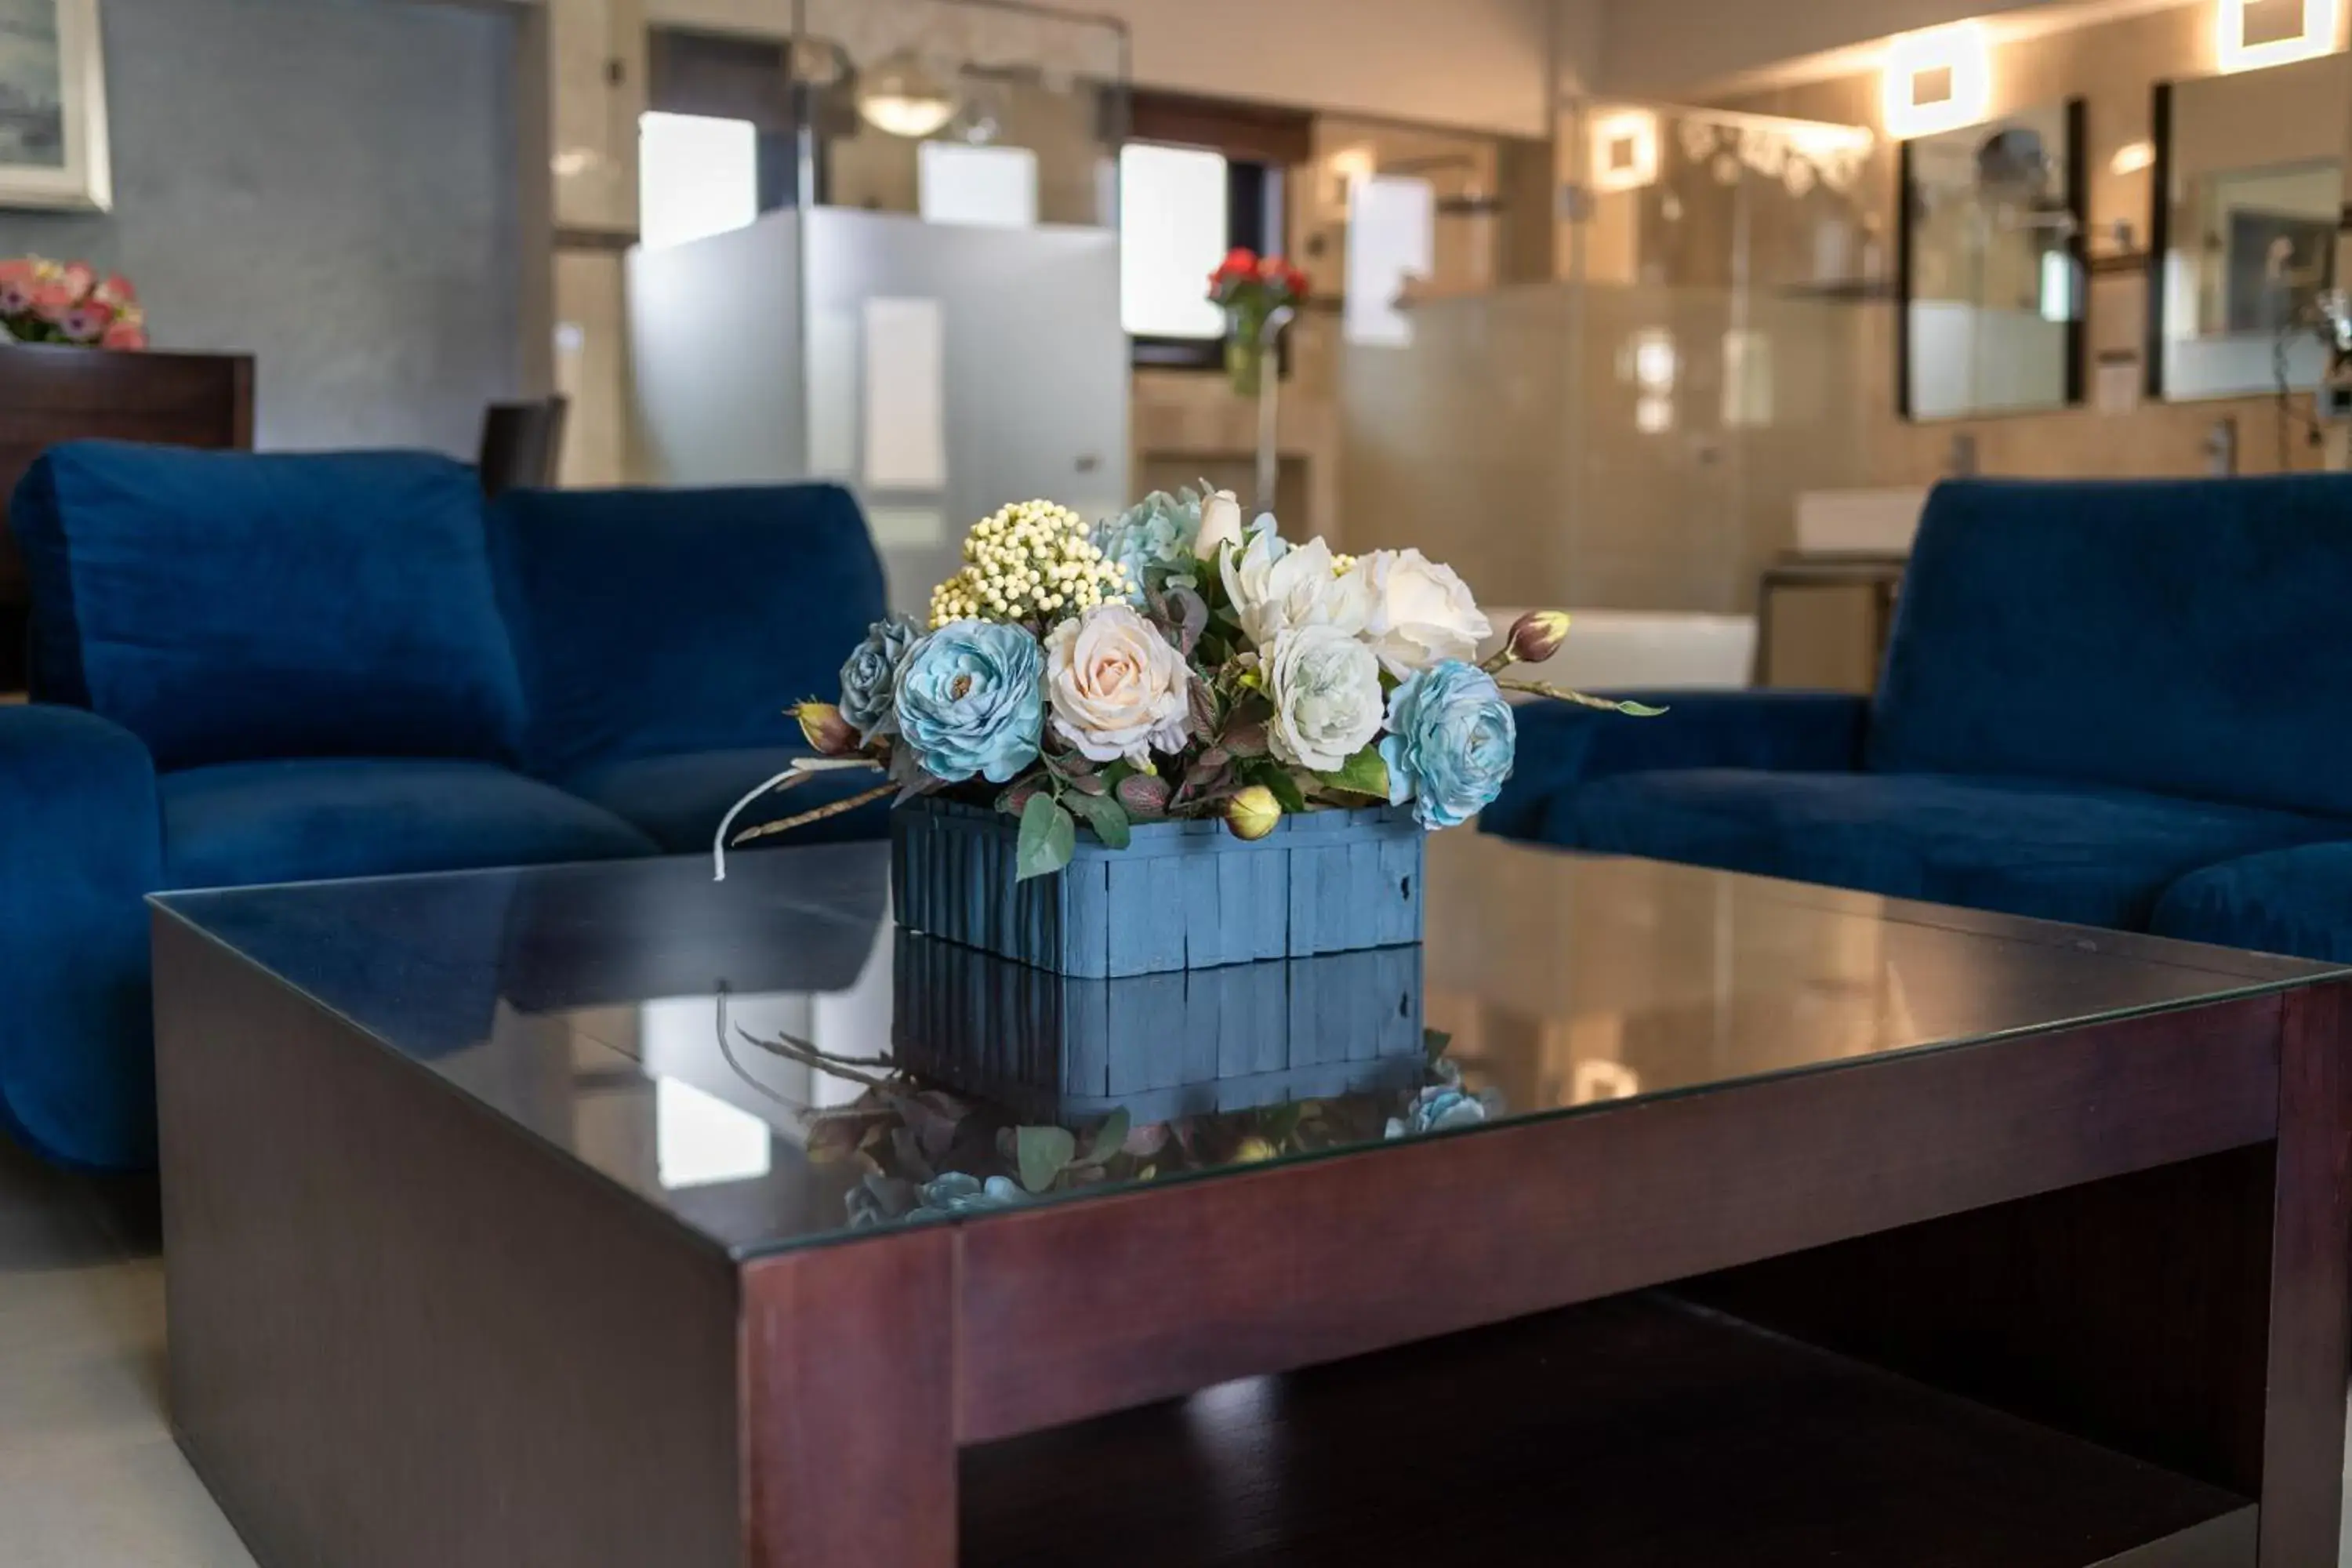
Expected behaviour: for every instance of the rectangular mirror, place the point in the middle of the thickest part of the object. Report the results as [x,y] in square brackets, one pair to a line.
[1989,252]
[2248,198]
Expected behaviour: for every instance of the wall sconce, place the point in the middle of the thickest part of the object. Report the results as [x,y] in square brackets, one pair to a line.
[1937,81]
[1625,150]
[2248,39]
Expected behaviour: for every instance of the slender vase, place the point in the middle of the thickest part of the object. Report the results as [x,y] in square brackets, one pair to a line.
[1244,351]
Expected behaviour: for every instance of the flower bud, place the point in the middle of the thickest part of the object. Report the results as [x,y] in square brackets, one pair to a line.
[1221,524]
[1252,1151]
[1254,813]
[827,732]
[1537,636]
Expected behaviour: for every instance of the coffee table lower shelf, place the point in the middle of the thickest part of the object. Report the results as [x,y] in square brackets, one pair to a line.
[1631,1431]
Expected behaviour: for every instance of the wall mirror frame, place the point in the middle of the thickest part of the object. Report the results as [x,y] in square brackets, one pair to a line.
[2247,207]
[1991,270]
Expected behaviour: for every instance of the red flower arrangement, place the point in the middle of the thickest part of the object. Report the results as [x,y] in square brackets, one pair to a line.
[1251,289]
[45,301]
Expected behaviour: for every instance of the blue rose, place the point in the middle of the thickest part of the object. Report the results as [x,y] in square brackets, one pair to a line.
[1153,540]
[1438,1109]
[867,679]
[957,1193]
[971,700]
[1450,742]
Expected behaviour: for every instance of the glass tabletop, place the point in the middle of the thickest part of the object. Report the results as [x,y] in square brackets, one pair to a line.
[775,1063]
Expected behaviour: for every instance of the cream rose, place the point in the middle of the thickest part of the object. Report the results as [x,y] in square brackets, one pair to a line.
[1326,689]
[1420,611]
[1115,685]
[1221,524]
[1274,586]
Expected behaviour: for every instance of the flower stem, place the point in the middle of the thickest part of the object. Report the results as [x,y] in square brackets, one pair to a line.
[1561,693]
[787,824]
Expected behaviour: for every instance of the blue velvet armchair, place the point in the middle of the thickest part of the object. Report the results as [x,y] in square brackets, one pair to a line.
[2112,703]
[253,670]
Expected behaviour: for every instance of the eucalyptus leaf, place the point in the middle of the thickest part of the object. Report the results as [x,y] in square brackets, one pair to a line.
[1105,815]
[1108,1138]
[1044,1154]
[1049,834]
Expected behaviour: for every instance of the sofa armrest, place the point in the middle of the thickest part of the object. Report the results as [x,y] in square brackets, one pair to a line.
[1562,745]
[80,844]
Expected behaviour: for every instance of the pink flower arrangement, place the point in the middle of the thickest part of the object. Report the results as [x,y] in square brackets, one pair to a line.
[45,301]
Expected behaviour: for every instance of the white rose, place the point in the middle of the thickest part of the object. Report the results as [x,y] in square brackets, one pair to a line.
[1420,611]
[1326,689]
[1116,686]
[1274,587]
[1221,524]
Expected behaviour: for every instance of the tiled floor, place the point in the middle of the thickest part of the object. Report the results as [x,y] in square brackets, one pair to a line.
[89,1475]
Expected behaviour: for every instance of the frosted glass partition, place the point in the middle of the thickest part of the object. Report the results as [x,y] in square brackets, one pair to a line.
[1609,445]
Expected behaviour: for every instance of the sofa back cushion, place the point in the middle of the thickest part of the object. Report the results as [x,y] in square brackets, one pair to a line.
[651,623]
[2185,637]
[225,606]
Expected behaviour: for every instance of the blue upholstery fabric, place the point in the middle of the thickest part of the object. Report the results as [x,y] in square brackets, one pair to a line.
[78,850]
[1562,745]
[680,800]
[2088,854]
[653,623]
[227,607]
[2157,635]
[246,823]
[2289,900]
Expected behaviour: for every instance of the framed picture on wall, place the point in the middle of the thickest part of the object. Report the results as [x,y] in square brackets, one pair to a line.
[52,106]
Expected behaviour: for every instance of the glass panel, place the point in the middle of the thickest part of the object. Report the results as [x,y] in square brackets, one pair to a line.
[992,186]
[2256,171]
[746,1055]
[1392,246]
[1171,234]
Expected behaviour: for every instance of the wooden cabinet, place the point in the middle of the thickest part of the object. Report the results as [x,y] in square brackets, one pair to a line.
[49,394]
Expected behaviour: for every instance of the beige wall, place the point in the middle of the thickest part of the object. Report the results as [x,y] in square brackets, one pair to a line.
[1660,47]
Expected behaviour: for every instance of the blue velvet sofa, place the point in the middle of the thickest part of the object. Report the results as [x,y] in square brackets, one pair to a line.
[2115,703]
[254,669]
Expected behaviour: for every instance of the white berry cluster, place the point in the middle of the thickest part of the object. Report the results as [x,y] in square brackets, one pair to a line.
[1029,562]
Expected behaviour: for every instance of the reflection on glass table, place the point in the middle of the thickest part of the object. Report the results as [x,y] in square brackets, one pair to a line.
[1992,287]
[746,1055]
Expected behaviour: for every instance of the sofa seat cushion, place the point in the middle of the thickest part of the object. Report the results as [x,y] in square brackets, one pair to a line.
[246,824]
[2296,901]
[680,800]
[653,623]
[226,607]
[2081,853]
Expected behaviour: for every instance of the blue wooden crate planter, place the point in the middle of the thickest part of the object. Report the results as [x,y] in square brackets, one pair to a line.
[1184,895]
[1054,1048]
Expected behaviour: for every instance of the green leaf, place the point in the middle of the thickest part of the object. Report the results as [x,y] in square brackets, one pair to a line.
[1048,836]
[1285,788]
[1044,1153]
[1105,815]
[1108,1138]
[1639,710]
[1364,774]
[1434,1042]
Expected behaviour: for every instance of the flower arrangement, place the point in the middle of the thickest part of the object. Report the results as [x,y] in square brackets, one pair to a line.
[45,301]
[1251,289]
[1172,663]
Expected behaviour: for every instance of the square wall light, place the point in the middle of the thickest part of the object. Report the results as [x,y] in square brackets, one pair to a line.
[2258,32]
[1625,150]
[1937,81]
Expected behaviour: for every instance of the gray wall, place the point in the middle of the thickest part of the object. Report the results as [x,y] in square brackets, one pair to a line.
[330,186]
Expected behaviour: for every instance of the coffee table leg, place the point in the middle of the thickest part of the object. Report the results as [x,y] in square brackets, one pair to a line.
[849,1446]
[2311,1284]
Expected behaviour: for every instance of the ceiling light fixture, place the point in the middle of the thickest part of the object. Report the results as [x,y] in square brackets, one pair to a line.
[901,96]
[1625,150]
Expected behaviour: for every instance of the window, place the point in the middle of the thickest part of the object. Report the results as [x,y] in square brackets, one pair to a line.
[1391,240]
[698,177]
[996,187]
[1174,229]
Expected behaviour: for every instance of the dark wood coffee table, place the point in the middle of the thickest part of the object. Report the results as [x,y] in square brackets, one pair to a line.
[582,1216]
